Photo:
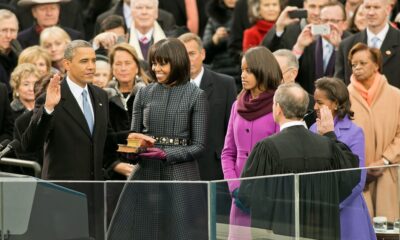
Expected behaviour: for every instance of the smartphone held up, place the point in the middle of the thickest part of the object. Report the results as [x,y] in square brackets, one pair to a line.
[300,13]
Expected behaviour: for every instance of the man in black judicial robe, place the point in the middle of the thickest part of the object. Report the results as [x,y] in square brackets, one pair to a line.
[297,150]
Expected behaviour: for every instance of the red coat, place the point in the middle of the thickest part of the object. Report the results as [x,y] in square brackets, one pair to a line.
[255,34]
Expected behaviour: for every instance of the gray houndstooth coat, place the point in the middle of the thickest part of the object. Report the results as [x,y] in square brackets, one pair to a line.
[166,210]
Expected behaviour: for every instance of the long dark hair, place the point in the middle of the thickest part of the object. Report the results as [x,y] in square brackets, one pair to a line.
[262,63]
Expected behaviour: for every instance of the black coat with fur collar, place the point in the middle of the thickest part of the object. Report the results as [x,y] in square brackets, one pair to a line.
[217,55]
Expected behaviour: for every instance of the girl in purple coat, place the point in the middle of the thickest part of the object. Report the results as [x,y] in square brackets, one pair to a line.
[250,121]
[355,222]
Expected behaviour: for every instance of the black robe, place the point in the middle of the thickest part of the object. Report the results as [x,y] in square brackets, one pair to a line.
[271,200]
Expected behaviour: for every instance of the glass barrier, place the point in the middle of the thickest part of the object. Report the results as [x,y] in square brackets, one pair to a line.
[319,205]
[241,208]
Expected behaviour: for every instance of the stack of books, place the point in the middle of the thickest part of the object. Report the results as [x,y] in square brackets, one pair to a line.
[134,145]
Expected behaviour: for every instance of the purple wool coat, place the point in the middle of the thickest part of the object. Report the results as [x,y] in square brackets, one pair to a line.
[355,222]
[240,139]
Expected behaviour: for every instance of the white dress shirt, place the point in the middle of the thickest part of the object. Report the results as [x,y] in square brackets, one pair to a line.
[148,35]
[381,36]
[293,123]
[77,93]
[197,79]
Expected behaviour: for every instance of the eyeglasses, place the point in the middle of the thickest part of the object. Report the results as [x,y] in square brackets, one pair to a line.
[335,21]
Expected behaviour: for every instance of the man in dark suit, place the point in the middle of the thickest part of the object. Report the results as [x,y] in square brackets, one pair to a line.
[297,150]
[73,127]
[289,66]
[317,53]
[221,93]
[379,34]
[74,145]
[9,47]
[46,15]
[68,9]
[122,8]
[6,119]
[286,29]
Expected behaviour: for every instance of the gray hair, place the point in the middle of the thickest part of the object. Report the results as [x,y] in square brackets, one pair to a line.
[133,2]
[291,59]
[292,99]
[70,49]
[187,37]
[6,14]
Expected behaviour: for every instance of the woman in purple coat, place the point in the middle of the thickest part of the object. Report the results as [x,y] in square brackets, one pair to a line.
[355,222]
[250,121]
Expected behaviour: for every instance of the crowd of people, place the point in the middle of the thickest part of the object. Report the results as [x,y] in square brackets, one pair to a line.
[220,89]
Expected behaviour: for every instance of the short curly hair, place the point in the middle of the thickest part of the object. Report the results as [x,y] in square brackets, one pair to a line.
[21,72]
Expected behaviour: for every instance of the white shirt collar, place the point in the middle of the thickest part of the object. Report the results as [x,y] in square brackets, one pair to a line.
[77,93]
[197,79]
[293,123]
[381,35]
[148,35]
[75,88]
[127,14]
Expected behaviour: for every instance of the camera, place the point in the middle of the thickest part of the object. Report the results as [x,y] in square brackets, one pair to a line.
[121,39]
[320,29]
[301,13]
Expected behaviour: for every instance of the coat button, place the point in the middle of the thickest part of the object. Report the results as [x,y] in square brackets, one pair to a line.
[247,154]
[247,130]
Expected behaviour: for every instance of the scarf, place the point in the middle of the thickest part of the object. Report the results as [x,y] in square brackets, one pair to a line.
[264,26]
[367,94]
[251,109]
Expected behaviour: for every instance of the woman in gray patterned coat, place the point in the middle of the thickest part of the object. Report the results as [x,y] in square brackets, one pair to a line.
[173,112]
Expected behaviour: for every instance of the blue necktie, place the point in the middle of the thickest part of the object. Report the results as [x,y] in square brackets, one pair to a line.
[87,111]
[327,55]
[375,41]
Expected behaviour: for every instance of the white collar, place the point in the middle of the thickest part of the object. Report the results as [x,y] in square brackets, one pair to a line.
[148,35]
[127,14]
[197,79]
[75,88]
[381,35]
[293,123]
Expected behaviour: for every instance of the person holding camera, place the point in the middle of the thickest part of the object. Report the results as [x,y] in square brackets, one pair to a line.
[317,44]
[379,34]
[291,22]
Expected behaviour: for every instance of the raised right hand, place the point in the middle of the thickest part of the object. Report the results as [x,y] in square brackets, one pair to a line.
[53,93]
[105,39]
[284,19]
